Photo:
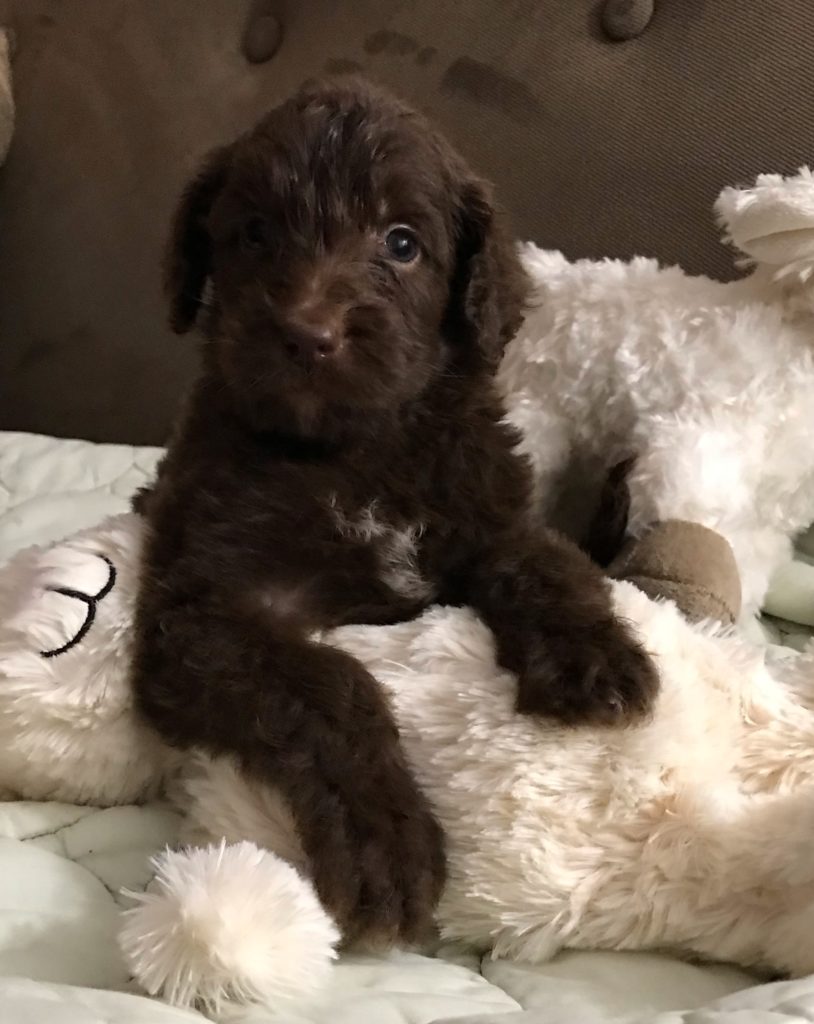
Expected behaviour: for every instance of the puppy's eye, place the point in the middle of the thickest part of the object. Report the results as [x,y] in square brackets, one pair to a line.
[255,233]
[402,244]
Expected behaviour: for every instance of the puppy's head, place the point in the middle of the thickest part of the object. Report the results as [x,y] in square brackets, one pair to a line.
[346,257]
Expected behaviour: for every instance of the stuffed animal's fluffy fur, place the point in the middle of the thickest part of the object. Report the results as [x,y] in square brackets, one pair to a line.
[708,385]
[690,831]
[66,617]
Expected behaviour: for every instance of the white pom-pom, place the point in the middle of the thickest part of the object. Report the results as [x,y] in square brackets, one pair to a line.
[229,924]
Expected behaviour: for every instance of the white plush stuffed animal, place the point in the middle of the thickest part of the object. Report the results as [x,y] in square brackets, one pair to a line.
[709,385]
[691,831]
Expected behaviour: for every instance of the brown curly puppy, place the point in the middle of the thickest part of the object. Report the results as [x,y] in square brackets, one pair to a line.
[343,459]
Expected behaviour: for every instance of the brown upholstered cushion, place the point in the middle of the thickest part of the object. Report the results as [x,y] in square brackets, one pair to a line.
[597,147]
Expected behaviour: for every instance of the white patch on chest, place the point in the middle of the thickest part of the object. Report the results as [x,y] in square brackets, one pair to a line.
[396,549]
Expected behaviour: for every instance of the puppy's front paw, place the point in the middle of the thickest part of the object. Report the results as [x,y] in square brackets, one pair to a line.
[386,892]
[374,848]
[604,677]
[401,869]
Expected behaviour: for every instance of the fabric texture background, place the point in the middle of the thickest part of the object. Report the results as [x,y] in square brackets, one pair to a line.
[598,148]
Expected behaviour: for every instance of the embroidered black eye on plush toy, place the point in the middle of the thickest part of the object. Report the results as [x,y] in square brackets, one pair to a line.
[90,601]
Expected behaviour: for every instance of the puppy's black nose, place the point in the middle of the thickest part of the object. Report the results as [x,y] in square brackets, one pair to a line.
[311,343]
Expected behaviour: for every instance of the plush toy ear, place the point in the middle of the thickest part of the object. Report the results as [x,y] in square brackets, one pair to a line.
[489,286]
[189,252]
[772,223]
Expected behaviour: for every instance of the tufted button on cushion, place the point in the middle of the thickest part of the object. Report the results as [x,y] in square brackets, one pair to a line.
[262,37]
[626,19]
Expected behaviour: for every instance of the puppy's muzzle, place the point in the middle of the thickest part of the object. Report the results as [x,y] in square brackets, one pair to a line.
[313,336]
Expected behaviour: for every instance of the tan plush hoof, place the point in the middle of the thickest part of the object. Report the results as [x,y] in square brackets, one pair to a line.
[686,563]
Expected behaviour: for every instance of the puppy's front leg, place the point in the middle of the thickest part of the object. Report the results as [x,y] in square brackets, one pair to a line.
[550,610]
[310,721]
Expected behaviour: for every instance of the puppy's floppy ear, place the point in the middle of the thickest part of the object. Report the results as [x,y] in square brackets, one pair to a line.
[489,287]
[189,252]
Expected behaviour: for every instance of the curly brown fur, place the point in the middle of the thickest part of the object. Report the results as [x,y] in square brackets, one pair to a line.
[608,527]
[343,459]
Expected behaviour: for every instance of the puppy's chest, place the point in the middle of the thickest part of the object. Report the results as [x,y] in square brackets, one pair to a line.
[393,545]
[359,564]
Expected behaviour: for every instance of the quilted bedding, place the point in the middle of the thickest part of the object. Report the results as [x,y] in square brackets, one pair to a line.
[62,867]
